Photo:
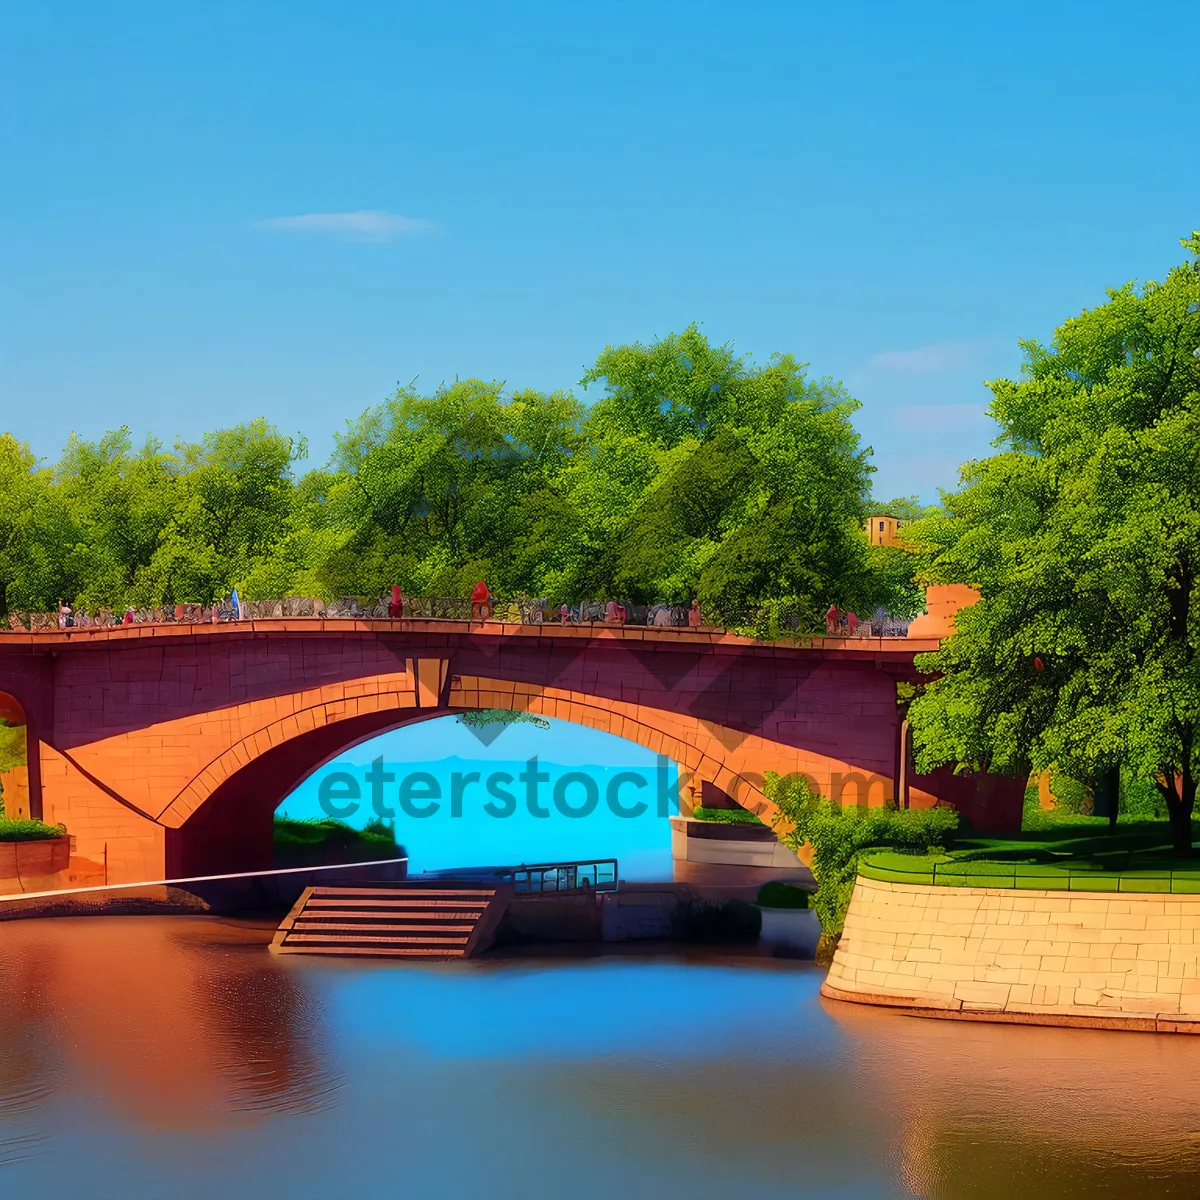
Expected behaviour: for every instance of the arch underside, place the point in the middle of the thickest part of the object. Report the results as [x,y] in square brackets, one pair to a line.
[223,819]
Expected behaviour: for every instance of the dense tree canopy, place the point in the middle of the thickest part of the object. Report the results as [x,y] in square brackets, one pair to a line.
[1083,536]
[692,473]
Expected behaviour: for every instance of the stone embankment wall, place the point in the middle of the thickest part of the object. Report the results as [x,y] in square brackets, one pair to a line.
[1114,959]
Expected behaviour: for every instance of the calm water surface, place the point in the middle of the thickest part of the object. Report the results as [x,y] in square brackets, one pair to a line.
[174,1057]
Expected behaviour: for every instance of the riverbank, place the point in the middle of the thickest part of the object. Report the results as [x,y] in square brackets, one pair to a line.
[1106,960]
[255,891]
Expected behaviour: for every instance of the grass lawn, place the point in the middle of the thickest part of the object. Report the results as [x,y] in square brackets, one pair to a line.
[1077,854]
[13,829]
[725,816]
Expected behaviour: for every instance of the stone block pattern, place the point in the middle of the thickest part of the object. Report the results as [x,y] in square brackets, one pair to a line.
[146,738]
[1117,959]
[735,762]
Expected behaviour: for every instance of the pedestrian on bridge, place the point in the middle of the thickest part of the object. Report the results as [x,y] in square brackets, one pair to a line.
[832,617]
[481,602]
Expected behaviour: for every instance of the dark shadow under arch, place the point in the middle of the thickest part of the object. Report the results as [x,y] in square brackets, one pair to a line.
[232,831]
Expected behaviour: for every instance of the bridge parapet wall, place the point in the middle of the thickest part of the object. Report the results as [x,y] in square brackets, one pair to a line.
[147,734]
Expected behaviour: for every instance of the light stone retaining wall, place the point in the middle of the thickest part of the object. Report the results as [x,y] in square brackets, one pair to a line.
[1115,959]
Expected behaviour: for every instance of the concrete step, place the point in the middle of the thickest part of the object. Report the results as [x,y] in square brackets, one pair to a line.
[465,904]
[407,921]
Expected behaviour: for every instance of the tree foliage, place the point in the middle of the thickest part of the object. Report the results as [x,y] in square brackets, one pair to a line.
[837,835]
[693,473]
[1083,536]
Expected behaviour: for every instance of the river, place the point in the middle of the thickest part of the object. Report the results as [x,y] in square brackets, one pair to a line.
[147,1057]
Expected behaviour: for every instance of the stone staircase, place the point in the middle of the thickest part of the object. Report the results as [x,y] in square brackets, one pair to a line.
[438,919]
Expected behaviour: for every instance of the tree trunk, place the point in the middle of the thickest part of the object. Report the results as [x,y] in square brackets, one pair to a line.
[1180,806]
[1179,791]
[1181,829]
[1106,796]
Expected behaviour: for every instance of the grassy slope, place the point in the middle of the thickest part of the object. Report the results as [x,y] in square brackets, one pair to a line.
[309,842]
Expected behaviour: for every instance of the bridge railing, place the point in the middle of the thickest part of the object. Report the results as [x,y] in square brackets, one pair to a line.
[597,875]
[543,879]
[762,622]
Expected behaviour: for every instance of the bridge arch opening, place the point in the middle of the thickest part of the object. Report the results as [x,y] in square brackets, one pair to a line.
[14,759]
[231,828]
[475,790]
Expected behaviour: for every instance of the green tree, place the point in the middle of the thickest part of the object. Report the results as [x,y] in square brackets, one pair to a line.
[439,490]
[35,533]
[1083,536]
[696,473]
[119,504]
[752,484]
[232,506]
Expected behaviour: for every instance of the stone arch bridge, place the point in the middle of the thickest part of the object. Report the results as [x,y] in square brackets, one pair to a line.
[166,749]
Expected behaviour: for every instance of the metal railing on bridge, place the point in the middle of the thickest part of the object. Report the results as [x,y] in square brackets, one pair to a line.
[764,622]
[598,875]
[543,879]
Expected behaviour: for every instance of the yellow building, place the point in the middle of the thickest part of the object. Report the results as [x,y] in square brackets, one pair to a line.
[881,530]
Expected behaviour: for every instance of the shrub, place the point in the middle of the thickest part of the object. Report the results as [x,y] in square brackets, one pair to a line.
[483,717]
[838,835]
[782,895]
[717,921]
[1070,796]
[305,843]
[726,816]
[15,830]
[12,746]
[1141,800]
[1036,819]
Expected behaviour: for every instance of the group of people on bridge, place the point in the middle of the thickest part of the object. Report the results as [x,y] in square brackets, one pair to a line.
[836,621]
[396,606]
[536,612]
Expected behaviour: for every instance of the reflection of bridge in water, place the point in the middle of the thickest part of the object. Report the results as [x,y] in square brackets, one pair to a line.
[166,749]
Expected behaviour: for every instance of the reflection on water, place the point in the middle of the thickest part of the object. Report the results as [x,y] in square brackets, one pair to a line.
[29,1067]
[179,1022]
[150,1057]
[990,1110]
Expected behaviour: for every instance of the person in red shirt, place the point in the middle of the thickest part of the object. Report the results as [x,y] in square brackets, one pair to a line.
[396,603]
[831,620]
[481,602]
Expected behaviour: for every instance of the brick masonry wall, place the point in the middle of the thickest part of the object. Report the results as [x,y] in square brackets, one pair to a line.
[166,745]
[1117,959]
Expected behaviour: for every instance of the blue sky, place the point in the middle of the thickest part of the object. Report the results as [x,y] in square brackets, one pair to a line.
[895,193]
[437,748]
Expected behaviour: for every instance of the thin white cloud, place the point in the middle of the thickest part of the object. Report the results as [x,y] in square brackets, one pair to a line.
[938,358]
[944,417]
[363,225]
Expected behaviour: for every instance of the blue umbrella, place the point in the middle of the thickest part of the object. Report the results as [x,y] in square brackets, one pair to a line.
[237,606]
